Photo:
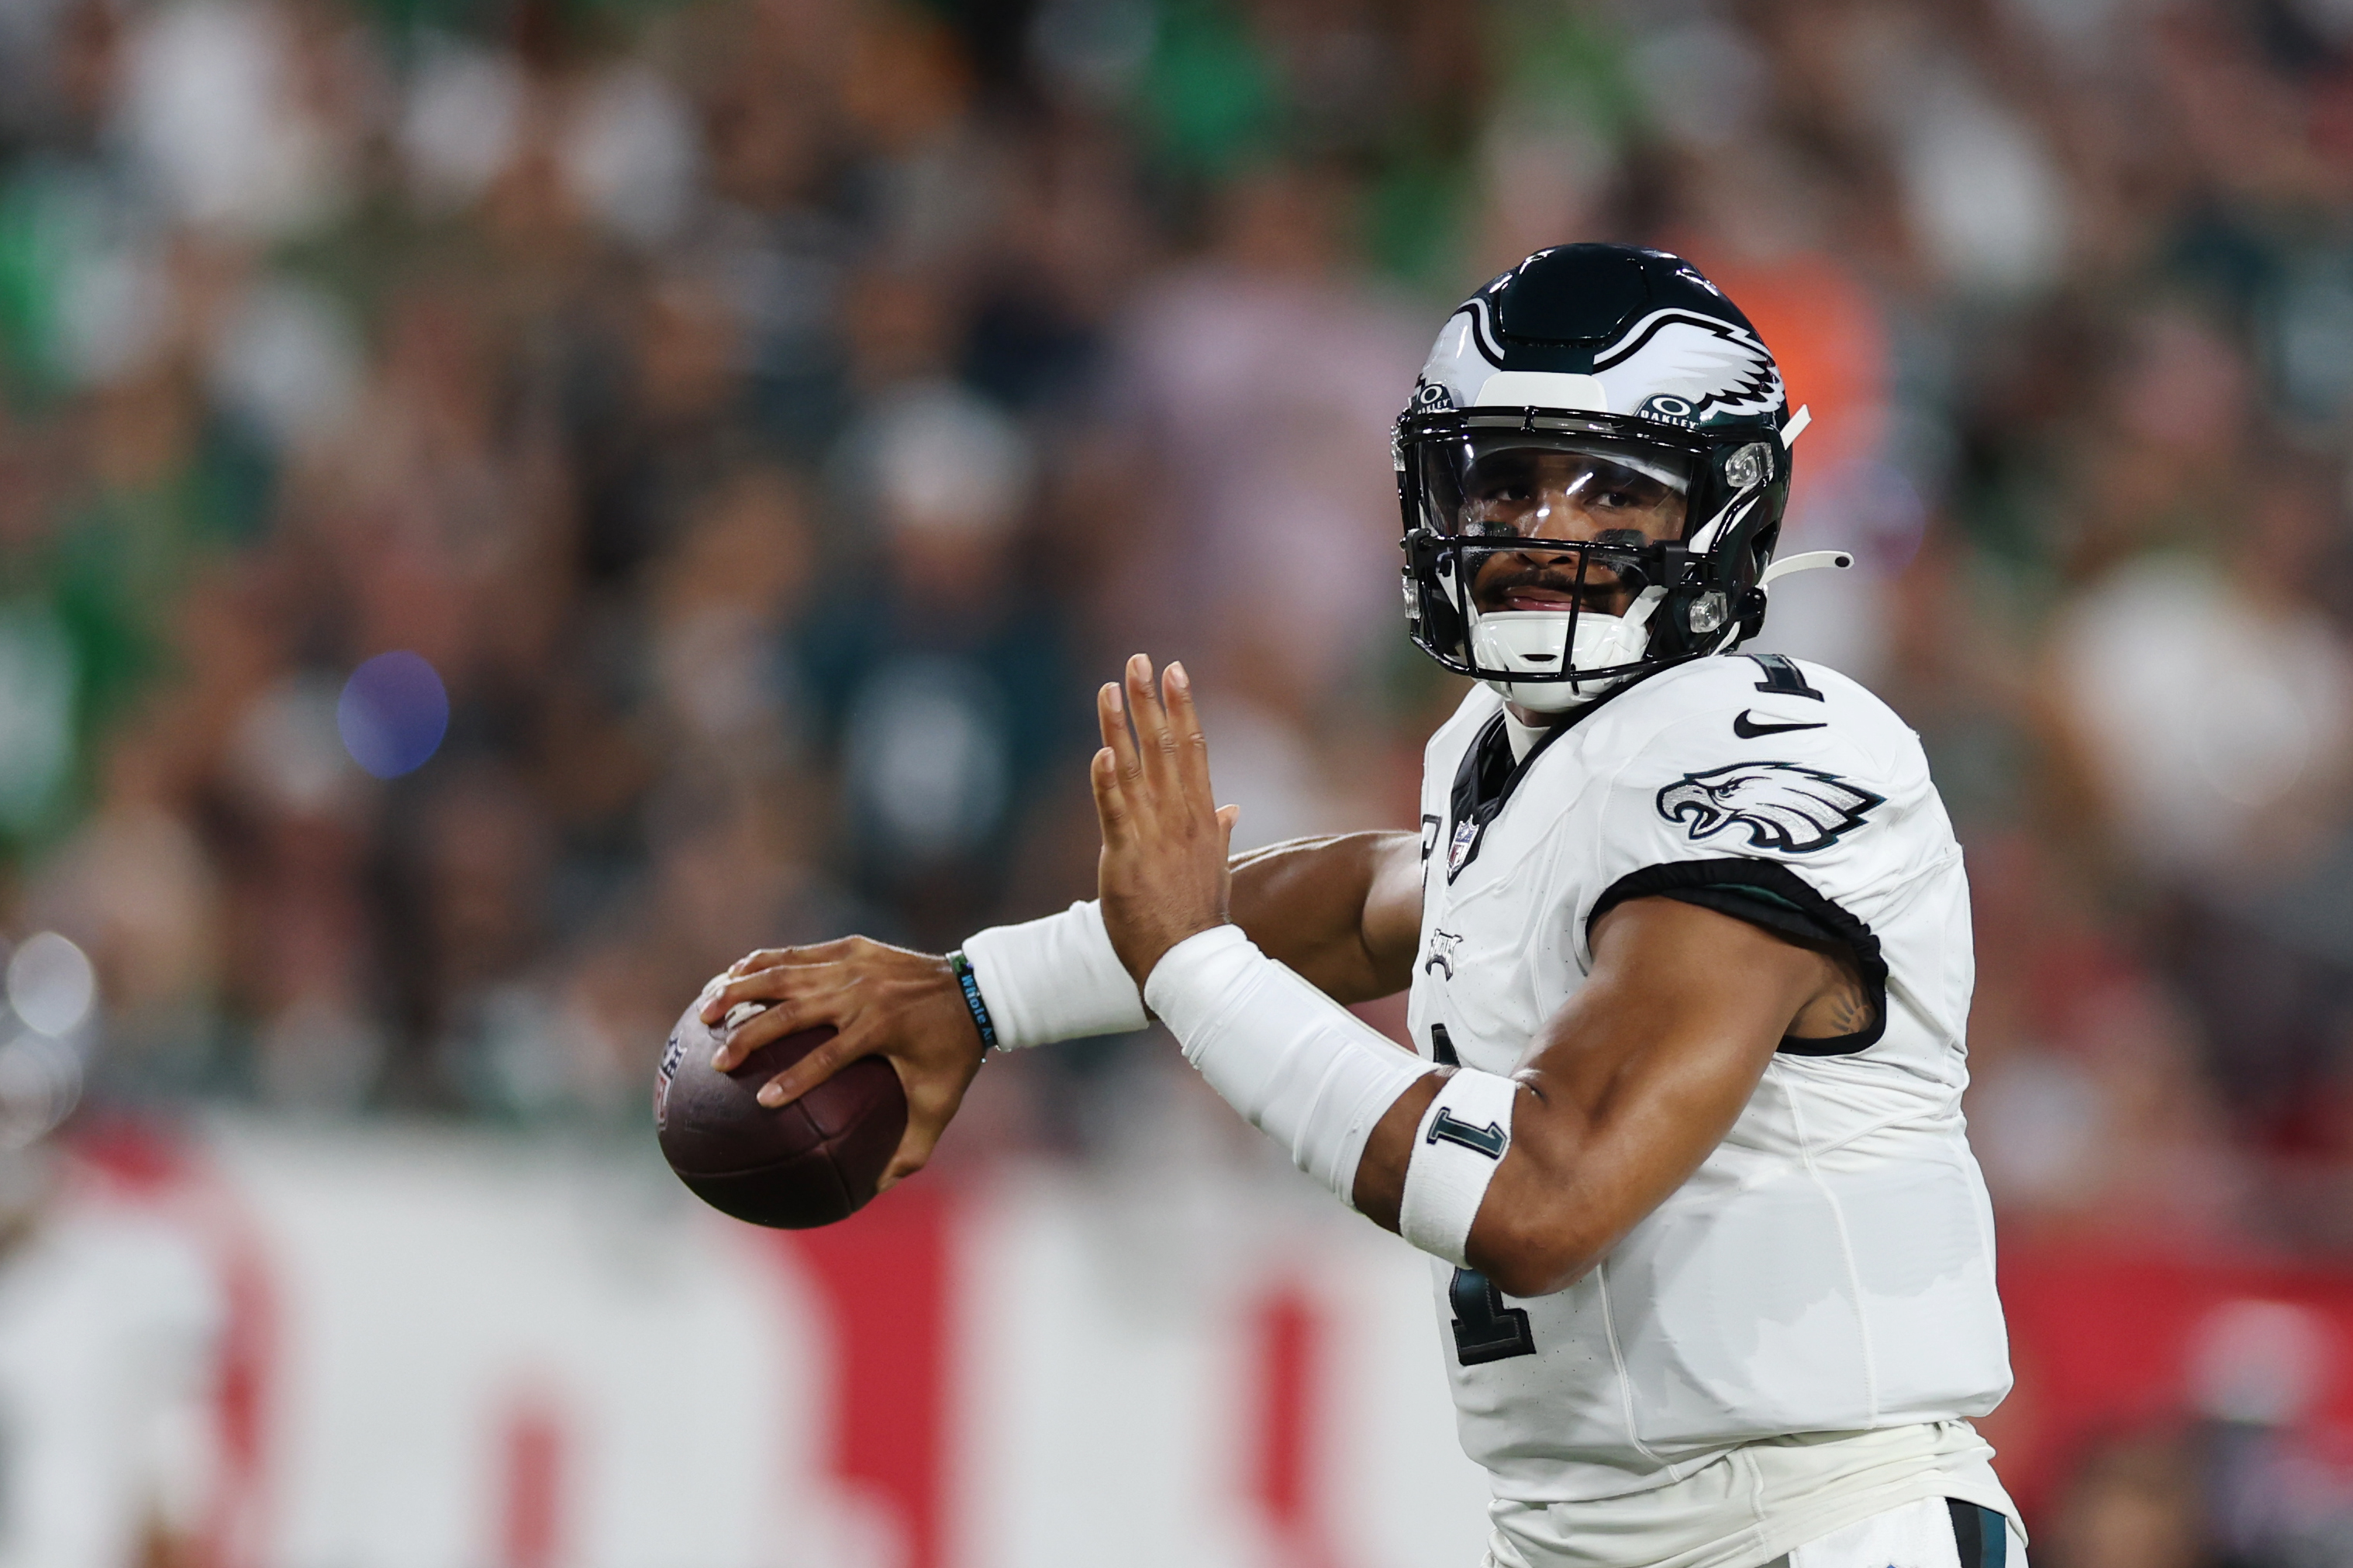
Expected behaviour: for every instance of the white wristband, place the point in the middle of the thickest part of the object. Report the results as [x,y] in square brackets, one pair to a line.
[1456,1150]
[1054,979]
[1296,1064]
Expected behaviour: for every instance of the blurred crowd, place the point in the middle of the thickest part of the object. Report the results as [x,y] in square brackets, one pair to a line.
[763,421]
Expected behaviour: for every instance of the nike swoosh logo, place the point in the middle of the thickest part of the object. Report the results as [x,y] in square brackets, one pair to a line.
[1747,730]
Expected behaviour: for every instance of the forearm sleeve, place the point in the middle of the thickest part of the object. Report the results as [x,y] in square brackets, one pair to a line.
[1297,1065]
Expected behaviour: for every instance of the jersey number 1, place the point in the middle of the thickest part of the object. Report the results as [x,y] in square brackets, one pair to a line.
[1484,1329]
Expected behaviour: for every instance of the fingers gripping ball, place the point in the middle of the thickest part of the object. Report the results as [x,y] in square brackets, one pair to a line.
[809,1163]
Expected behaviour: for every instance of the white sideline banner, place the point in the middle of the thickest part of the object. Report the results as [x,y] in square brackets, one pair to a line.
[453,1349]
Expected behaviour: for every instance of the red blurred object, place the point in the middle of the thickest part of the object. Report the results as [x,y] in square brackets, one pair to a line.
[887,1284]
[2106,1342]
[532,1504]
[1290,1342]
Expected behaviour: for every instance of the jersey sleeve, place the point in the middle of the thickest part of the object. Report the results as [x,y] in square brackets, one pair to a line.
[1810,833]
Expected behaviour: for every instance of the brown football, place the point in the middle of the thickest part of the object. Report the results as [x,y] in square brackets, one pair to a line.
[813,1162]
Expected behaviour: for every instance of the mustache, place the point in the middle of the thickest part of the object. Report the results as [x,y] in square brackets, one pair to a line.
[1599,582]
[1602,577]
[1557,582]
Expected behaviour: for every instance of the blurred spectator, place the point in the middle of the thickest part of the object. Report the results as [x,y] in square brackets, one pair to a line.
[1263,378]
[2207,715]
[946,672]
[2136,1501]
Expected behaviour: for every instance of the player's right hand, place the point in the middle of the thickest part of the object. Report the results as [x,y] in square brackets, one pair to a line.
[1165,872]
[904,1007]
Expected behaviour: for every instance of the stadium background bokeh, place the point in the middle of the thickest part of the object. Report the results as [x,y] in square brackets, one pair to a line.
[755,425]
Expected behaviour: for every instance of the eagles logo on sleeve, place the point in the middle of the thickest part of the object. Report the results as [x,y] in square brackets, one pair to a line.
[1784,806]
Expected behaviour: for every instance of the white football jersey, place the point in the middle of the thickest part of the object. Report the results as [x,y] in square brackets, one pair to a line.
[1829,1268]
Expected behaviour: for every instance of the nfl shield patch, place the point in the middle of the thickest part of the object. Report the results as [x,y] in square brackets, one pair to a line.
[1466,836]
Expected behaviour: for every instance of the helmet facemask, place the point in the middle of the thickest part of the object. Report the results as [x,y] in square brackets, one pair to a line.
[1556,554]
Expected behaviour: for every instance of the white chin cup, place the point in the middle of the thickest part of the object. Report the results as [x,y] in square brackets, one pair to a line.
[1532,642]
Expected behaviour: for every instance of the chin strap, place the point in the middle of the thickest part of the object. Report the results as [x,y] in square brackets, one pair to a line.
[1751,619]
[1812,560]
[1638,614]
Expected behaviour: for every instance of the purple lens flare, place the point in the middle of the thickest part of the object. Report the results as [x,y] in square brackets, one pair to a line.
[393,714]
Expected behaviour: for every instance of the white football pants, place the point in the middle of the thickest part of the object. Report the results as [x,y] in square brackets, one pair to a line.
[1936,1532]
[1933,1533]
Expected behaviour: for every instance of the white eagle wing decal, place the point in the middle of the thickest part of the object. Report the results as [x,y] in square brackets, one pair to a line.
[1784,806]
[1712,366]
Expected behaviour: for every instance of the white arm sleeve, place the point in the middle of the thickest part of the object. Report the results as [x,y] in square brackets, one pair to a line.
[1054,979]
[1296,1064]
[1456,1149]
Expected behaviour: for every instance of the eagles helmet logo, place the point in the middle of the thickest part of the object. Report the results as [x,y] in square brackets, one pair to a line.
[1784,806]
[1686,369]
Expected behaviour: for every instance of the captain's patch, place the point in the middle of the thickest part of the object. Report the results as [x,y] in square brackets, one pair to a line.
[1783,807]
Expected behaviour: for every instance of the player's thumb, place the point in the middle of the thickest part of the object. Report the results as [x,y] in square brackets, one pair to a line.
[1227,817]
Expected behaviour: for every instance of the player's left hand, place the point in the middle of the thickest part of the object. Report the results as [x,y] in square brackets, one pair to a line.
[1163,874]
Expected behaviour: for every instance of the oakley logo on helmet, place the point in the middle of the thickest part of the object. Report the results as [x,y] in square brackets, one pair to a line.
[1793,809]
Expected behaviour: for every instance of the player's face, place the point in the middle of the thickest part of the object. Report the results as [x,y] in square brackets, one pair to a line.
[1537,494]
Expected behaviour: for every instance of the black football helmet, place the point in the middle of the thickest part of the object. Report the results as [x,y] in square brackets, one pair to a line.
[1592,471]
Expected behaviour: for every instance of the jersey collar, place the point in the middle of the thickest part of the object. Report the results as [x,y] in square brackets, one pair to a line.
[1485,778]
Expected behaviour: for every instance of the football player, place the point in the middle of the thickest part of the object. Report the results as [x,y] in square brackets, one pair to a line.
[1687,939]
